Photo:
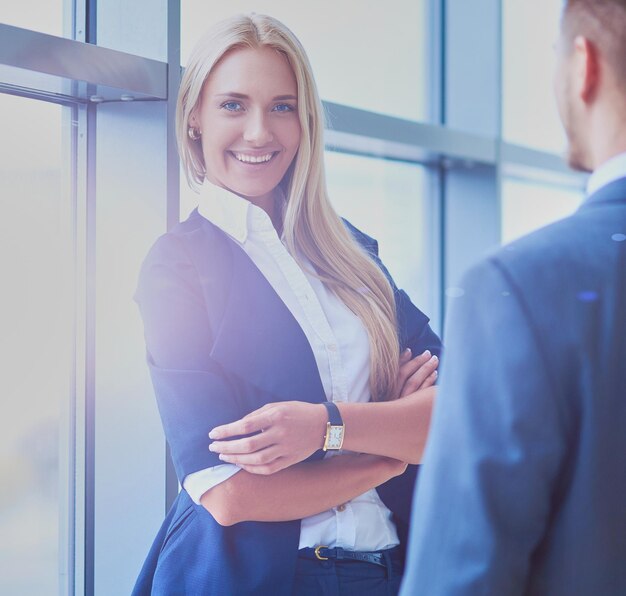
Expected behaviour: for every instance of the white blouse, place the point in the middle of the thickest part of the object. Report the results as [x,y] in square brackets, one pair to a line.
[341,348]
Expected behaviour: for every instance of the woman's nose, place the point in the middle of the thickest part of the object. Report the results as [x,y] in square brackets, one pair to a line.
[257,130]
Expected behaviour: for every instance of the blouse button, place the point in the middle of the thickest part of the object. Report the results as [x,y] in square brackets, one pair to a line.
[341,508]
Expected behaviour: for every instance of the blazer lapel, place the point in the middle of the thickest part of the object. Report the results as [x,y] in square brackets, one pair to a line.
[257,337]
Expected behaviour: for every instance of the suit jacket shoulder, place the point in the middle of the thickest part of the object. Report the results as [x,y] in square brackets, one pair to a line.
[521,465]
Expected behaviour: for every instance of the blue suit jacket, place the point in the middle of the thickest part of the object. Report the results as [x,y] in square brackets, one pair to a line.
[523,484]
[221,344]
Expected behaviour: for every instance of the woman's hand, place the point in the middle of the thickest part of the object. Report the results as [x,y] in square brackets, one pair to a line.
[416,373]
[281,434]
[287,433]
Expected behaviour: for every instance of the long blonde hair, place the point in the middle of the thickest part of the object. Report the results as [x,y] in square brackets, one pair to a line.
[311,226]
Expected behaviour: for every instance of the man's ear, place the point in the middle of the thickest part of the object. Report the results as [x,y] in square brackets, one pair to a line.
[587,68]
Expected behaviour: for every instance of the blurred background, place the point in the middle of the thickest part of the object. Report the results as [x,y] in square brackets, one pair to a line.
[442,142]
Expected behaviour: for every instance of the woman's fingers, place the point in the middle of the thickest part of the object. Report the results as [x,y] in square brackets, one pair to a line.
[408,367]
[420,376]
[403,371]
[278,464]
[430,381]
[244,445]
[292,429]
[405,356]
[263,457]
[412,366]
[252,423]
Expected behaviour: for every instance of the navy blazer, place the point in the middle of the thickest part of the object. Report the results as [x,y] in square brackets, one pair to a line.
[220,344]
[523,484]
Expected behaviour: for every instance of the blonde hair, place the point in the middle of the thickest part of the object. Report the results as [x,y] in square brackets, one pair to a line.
[311,227]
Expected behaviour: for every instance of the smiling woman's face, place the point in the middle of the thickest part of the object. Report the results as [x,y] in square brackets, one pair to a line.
[248,117]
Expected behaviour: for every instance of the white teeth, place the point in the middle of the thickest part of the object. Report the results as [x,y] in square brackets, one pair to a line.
[253,158]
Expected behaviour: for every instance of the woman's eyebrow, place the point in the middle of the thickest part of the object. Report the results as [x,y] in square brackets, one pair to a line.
[232,94]
[243,96]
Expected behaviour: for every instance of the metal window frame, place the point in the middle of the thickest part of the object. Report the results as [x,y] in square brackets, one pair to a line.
[57,69]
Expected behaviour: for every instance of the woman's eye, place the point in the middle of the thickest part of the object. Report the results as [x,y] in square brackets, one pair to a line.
[283,107]
[232,106]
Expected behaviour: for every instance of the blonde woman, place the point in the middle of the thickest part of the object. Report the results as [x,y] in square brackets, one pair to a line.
[268,316]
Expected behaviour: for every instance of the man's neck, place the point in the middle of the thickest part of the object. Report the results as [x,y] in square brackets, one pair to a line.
[608,136]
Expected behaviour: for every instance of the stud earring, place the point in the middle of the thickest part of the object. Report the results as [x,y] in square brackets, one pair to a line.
[194,133]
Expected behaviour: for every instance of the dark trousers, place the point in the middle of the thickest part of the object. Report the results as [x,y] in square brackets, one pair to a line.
[348,578]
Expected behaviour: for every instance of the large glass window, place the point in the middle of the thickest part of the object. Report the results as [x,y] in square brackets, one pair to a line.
[386,200]
[529,114]
[36,345]
[364,53]
[47,17]
[527,206]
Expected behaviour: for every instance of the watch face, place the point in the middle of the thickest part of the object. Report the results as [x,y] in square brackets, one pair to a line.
[335,437]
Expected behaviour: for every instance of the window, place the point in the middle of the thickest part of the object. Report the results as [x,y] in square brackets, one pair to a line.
[387,200]
[529,114]
[36,320]
[364,53]
[527,206]
[46,17]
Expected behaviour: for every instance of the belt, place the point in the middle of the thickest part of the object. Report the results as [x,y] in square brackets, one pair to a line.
[323,553]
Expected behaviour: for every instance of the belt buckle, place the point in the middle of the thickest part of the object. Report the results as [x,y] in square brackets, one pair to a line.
[317,552]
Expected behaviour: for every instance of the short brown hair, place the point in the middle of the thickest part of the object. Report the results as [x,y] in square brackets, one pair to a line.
[603,22]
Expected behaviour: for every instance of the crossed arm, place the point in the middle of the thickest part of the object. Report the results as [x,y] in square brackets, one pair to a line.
[298,491]
[274,486]
[177,333]
[292,431]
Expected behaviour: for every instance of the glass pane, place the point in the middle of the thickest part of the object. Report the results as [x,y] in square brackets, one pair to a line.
[527,206]
[530,117]
[35,347]
[364,53]
[386,200]
[38,15]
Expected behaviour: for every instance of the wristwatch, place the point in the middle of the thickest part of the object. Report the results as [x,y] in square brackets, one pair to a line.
[335,428]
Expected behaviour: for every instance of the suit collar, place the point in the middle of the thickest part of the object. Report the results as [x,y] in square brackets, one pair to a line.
[233,214]
[613,192]
[226,210]
[611,170]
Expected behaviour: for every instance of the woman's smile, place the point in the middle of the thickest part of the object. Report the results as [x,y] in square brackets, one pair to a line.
[253,159]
